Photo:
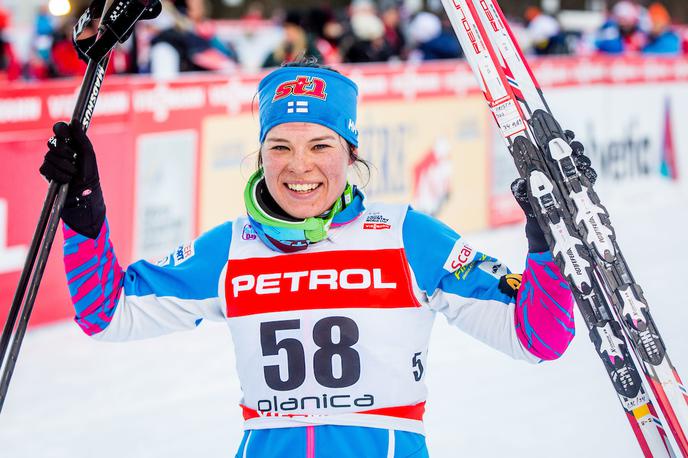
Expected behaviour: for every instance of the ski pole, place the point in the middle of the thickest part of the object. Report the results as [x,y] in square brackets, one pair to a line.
[116,26]
[44,251]
[26,272]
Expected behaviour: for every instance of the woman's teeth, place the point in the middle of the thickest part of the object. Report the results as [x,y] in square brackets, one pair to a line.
[302,187]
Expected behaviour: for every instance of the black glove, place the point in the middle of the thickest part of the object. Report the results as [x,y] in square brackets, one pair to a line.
[583,163]
[71,159]
[536,238]
[519,188]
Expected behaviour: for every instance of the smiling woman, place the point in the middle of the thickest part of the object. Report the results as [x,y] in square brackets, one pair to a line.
[308,141]
[303,175]
[330,298]
[305,167]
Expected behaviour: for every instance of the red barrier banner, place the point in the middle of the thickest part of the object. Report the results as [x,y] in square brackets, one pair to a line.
[163,147]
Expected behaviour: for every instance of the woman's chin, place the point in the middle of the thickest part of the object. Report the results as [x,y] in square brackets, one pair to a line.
[302,212]
[303,209]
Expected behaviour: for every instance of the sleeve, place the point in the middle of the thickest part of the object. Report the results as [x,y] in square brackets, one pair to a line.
[147,299]
[528,317]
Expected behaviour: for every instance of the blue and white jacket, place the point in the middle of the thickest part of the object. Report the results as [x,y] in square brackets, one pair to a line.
[334,337]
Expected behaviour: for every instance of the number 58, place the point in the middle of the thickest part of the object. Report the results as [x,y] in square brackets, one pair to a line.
[323,366]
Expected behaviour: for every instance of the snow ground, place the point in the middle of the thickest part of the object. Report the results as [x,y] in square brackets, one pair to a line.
[177,396]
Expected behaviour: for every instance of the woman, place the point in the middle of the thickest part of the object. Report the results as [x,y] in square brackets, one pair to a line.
[329,299]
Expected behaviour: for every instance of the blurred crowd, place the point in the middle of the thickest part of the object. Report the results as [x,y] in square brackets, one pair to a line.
[183,39]
[633,28]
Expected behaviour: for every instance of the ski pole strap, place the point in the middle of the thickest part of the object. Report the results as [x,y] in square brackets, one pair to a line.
[93,38]
[84,31]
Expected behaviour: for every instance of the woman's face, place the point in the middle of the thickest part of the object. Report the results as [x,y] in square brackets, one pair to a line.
[305,167]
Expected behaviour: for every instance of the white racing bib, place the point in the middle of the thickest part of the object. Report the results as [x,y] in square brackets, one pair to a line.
[329,336]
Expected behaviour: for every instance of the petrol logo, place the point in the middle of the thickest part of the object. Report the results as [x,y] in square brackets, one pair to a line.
[306,281]
[276,283]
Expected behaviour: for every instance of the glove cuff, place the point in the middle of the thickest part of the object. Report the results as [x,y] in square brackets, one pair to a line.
[537,243]
[85,214]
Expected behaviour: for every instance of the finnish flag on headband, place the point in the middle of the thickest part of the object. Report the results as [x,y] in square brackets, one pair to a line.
[300,106]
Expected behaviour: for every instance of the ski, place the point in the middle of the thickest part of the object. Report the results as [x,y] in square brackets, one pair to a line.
[594,226]
[577,227]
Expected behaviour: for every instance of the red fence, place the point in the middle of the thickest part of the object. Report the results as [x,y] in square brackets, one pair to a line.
[132,107]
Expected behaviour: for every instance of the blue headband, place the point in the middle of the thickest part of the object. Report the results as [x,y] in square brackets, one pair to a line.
[307,94]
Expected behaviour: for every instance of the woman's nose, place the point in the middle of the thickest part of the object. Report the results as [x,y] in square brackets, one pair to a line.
[301,161]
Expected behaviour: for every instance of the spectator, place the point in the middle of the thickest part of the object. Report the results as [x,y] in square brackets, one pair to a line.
[368,40]
[10,69]
[544,33]
[184,42]
[363,38]
[297,42]
[255,11]
[662,39]
[432,38]
[64,60]
[38,65]
[197,24]
[327,33]
[622,32]
[391,18]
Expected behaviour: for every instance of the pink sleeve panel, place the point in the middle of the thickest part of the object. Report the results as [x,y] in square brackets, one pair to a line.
[544,308]
[94,277]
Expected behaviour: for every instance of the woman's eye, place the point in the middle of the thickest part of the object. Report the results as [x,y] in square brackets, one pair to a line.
[279,148]
[321,146]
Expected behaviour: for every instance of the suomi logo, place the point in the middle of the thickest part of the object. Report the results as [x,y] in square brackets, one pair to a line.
[300,106]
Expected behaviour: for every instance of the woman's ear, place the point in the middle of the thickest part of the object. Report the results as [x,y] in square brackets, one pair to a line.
[353,155]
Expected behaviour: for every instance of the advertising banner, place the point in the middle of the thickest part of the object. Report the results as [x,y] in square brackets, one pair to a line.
[165,197]
[174,156]
[439,167]
[632,134]
[22,192]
